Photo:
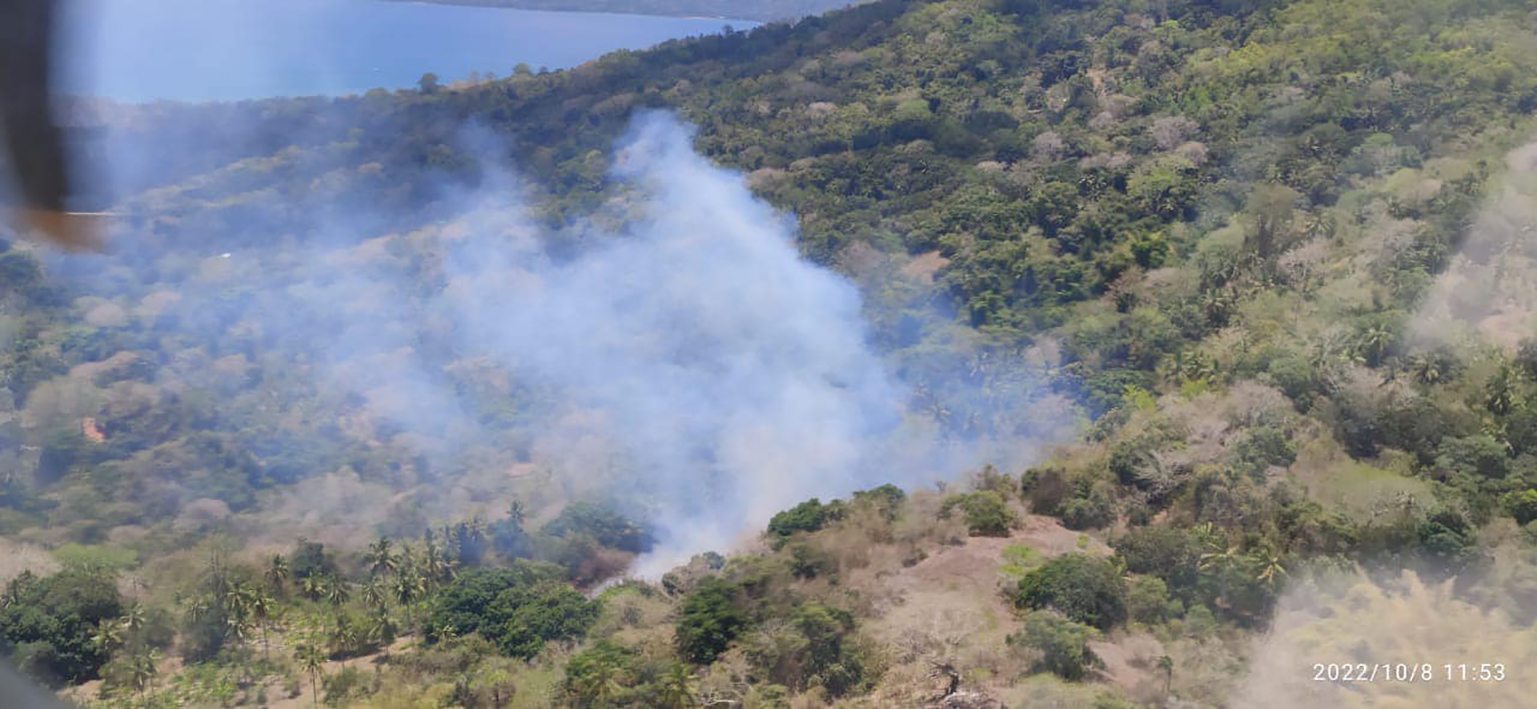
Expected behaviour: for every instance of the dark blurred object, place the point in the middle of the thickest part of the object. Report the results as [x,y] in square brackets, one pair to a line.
[16,692]
[33,141]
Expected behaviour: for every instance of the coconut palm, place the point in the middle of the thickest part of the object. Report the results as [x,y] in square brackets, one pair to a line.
[338,593]
[262,606]
[344,638]
[134,620]
[276,573]
[410,586]
[198,608]
[108,637]
[380,629]
[381,557]
[675,692]
[312,661]
[142,670]
[237,607]
[314,587]
[1218,557]
[374,595]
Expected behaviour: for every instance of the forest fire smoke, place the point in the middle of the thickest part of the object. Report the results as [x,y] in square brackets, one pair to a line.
[672,355]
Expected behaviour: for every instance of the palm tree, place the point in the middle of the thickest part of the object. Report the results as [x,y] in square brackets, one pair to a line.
[600,685]
[434,566]
[1166,664]
[373,594]
[314,587]
[498,683]
[675,691]
[410,586]
[380,557]
[198,608]
[469,541]
[239,626]
[1375,341]
[344,638]
[380,630]
[338,593]
[261,605]
[1218,557]
[276,573]
[134,620]
[108,637]
[237,600]
[142,670]
[1272,570]
[406,587]
[312,661]
[1502,393]
[1426,369]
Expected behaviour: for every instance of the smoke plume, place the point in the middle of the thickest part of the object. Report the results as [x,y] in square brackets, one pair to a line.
[1399,626]
[1487,291]
[734,373]
[671,354]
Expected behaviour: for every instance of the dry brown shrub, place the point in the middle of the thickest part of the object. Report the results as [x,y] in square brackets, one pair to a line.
[17,557]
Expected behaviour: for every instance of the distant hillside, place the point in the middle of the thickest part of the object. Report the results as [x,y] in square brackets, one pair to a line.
[755,10]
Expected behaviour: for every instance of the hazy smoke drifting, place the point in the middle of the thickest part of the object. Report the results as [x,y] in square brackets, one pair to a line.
[673,354]
[1487,291]
[1359,620]
[735,374]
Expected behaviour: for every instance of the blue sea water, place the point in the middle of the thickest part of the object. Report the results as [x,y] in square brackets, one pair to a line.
[202,50]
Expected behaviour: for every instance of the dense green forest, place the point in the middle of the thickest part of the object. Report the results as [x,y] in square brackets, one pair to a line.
[1260,269]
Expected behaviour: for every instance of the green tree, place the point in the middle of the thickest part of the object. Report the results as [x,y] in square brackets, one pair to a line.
[52,626]
[1270,210]
[520,609]
[808,516]
[709,621]
[1061,644]
[1084,588]
[986,513]
[1147,601]
[1522,505]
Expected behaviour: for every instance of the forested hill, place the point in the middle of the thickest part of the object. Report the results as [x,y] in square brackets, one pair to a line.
[1272,256]
[756,10]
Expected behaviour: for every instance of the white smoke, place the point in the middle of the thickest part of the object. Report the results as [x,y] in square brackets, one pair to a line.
[1352,640]
[735,373]
[673,354]
[1487,291]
